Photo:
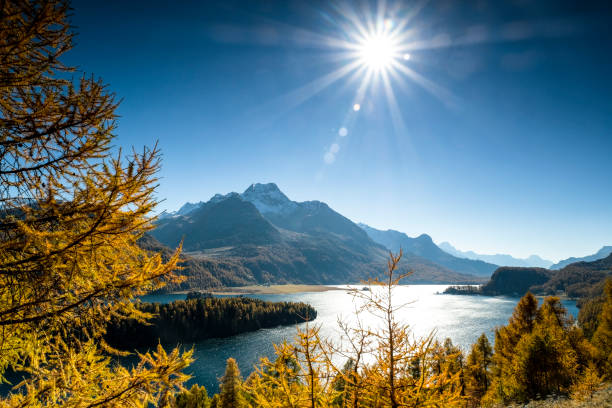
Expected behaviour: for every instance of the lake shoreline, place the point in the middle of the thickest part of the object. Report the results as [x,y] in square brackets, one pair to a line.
[265,290]
[461,292]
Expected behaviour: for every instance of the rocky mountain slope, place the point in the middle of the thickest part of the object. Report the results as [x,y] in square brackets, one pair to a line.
[267,238]
[423,246]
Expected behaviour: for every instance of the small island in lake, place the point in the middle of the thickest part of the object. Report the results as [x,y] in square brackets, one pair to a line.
[200,317]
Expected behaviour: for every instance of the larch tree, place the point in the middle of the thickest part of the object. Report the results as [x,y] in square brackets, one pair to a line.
[544,361]
[478,376]
[507,337]
[231,395]
[540,352]
[300,376]
[195,397]
[602,339]
[71,212]
[392,379]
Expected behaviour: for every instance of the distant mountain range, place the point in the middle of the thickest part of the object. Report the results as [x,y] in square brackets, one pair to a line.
[261,236]
[424,246]
[497,259]
[602,253]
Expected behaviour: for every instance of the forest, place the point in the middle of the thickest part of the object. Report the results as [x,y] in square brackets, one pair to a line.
[201,317]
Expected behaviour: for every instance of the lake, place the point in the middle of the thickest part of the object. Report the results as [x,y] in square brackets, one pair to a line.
[462,318]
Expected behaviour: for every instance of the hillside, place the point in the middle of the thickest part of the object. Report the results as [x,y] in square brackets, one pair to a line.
[260,236]
[201,273]
[580,279]
[424,247]
[515,281]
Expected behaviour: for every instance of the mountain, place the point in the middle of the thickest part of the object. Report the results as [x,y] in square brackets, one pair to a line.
[602,253]
[218,223]
[497,259]
[270,239]
[424,247]
[200,273]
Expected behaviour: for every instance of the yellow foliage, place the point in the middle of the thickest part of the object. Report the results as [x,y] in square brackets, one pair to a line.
[70,217]
[387,367]
[587,385]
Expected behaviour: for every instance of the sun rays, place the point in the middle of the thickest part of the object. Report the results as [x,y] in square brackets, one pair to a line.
[375,51]
[375,47]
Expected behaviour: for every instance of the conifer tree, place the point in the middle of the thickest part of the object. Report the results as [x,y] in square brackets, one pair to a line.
[195,397]
[478,376]
[300,376]
[231,395]
[545,362]
[602,339]
[70,215]
[390,380]
[506,338]
[214,401]
[538,353]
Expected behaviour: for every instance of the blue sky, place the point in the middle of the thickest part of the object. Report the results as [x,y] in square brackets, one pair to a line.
[504,147]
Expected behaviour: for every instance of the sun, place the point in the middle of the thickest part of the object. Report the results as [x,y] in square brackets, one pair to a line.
[378,52]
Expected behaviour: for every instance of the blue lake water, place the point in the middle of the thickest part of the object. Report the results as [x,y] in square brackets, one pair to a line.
[462,318]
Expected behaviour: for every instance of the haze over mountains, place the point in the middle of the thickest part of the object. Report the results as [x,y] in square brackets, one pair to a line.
[497,259]
[602,253]
[267,238]
[424,246]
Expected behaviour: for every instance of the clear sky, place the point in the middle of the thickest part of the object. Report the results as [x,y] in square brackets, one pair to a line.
[494,131]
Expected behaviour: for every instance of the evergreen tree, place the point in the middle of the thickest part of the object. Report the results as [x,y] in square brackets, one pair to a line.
[342,384]
[588,316]
[231,395]
[506,338]
[602,339]
[214,402]
[195,397]
[538,353]
[478,376]
[70,215]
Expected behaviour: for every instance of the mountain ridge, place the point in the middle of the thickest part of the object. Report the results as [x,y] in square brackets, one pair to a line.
[601,254]
[276,240]
[424,246]
[497,259]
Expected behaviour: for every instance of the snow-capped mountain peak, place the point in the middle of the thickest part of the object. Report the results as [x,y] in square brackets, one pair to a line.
[268,198]
[187,208]
[220,197]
